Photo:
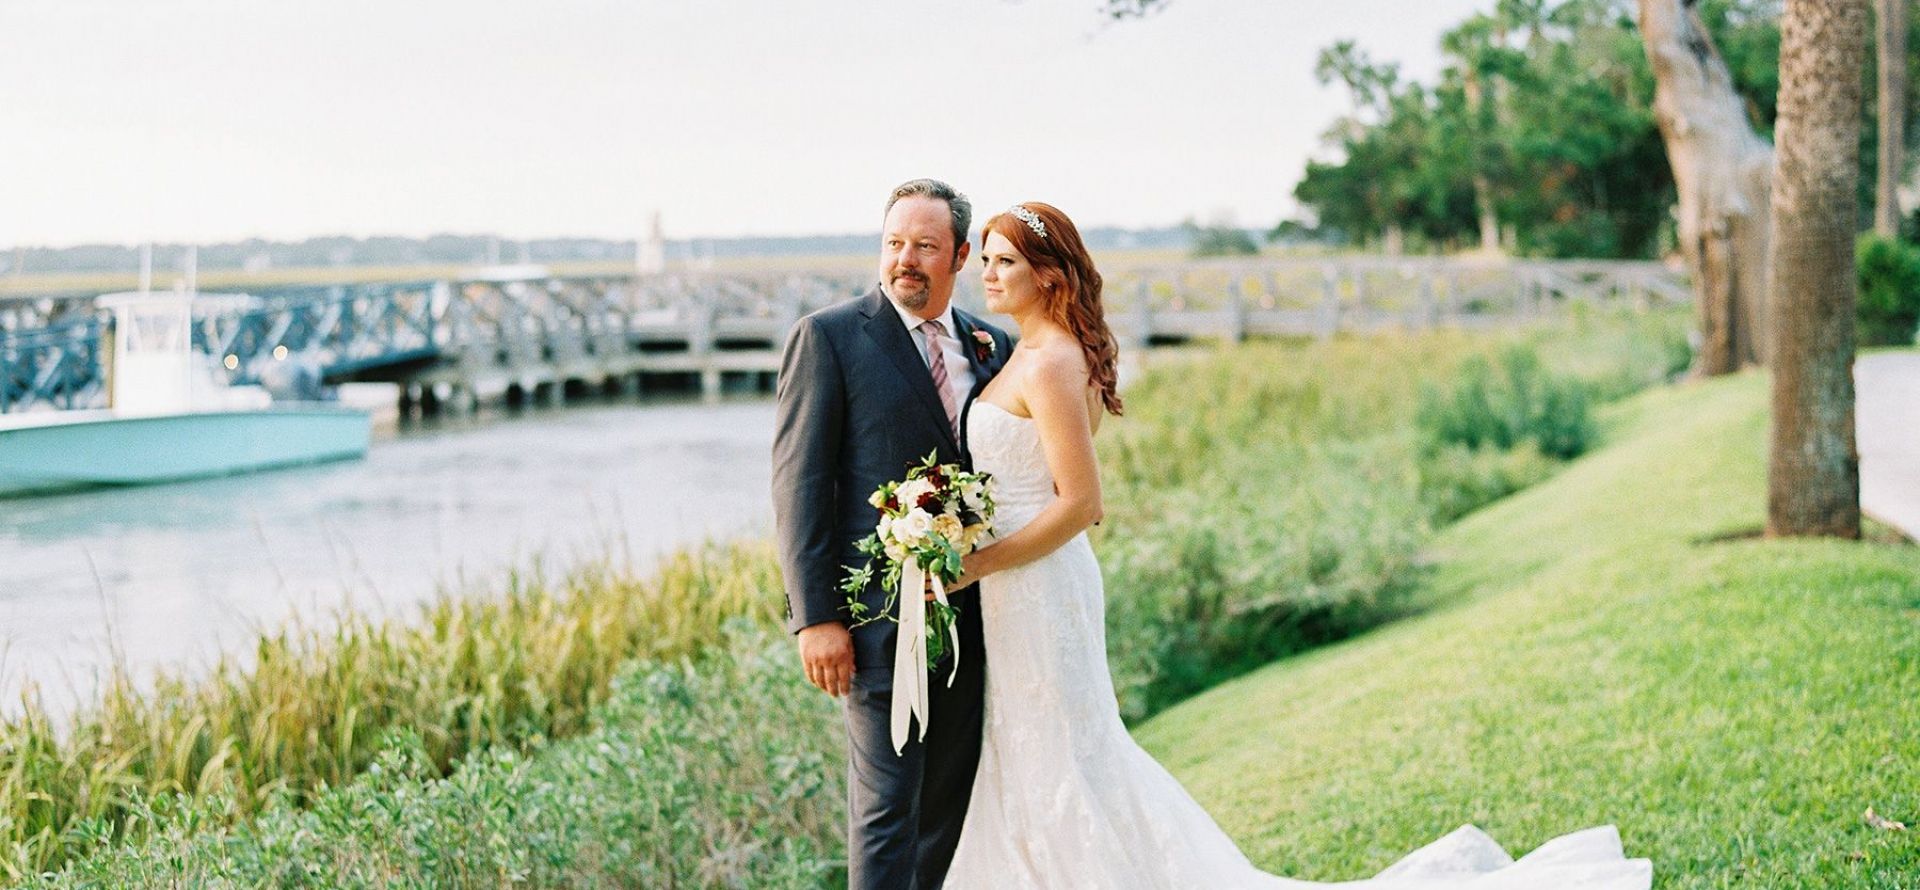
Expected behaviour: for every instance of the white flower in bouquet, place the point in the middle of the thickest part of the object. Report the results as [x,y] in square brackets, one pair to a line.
[927,522]
[974,496]
[895,550]
[910,491]
[912,528]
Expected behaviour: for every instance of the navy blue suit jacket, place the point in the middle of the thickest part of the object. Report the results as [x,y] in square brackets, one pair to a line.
[855,408]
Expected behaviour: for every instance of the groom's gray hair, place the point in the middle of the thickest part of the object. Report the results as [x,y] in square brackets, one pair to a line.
[957,203]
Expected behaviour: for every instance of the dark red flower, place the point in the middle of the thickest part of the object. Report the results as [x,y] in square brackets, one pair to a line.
[930,502]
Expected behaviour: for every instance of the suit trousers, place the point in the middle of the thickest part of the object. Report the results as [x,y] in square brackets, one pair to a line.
[904,811]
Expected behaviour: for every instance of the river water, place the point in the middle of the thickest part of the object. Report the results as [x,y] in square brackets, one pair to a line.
[175,575]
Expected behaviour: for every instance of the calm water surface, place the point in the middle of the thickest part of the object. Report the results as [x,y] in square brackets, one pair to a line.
[174,575]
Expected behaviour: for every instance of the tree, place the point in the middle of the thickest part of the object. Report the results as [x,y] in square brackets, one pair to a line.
[1376,202]
[1537,139]
[1813,470]
[1220,238]
[1721,169]
[1478,44]
[1892,95]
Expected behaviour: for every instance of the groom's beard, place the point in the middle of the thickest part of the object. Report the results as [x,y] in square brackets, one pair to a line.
[911,290]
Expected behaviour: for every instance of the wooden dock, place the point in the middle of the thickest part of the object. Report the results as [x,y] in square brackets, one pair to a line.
[526,336]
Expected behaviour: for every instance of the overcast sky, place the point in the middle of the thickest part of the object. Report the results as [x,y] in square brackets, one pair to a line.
[128,120]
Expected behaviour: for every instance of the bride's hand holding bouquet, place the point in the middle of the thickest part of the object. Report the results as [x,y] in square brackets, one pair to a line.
[929,522]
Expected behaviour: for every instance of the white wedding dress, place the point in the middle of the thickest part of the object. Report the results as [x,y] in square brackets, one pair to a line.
[1064,798]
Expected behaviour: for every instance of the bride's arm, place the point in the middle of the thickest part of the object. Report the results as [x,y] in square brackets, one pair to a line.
[1057,397]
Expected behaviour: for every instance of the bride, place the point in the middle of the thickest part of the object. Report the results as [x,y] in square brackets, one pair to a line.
[1063,797]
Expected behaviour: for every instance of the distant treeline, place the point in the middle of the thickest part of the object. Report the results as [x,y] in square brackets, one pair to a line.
[337,250]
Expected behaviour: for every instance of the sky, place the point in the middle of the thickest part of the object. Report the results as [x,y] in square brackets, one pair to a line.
[123,121]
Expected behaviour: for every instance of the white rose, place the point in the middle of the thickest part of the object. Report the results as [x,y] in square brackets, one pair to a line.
[910,491]
[913,527]
[947,527]
[975,494]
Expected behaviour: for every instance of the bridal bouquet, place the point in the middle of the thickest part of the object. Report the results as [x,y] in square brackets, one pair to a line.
[928,521]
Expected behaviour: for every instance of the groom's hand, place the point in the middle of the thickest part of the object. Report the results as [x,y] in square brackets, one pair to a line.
[826,651]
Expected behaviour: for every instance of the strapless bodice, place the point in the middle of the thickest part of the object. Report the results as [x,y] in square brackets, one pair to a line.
[1008,446]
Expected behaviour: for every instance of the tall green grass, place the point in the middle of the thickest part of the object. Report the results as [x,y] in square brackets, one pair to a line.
[717,770]
[1274,497]
[468,673]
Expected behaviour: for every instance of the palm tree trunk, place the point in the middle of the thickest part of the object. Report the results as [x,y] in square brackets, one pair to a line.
[1813,471]
[1893,107]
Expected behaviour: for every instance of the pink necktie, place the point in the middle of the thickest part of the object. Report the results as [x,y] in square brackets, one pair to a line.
[937,363]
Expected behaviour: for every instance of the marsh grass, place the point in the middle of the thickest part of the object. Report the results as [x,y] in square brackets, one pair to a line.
[466,673]
[1274,497]
[715,770]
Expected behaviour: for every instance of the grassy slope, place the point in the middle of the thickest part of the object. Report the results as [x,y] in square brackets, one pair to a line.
[1734,706]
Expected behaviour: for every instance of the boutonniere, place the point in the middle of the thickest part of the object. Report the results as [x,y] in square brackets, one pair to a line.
[983,346]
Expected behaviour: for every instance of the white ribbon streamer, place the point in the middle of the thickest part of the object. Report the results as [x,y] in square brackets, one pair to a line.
[910,652]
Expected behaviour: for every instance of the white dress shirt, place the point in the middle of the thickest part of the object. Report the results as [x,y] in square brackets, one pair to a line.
[959,369]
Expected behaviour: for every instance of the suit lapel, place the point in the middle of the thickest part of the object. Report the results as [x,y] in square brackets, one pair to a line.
[883,325]
[964,326]
[982,371]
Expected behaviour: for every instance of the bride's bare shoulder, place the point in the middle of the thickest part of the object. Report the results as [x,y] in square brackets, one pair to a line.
[1061,362]
[1059,376]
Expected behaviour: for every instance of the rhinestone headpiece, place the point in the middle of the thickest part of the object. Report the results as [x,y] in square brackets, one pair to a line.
[1032,219]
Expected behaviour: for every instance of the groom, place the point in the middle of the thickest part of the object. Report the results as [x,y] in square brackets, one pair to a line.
[868,387]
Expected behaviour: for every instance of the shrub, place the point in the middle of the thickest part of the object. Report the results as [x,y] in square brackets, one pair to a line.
[1888,311]
[1521,402]
[1619,353]
[1456,480]
[1226,578]
[1261,501]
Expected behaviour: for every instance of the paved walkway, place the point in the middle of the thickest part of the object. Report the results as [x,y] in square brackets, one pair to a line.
[1887,412]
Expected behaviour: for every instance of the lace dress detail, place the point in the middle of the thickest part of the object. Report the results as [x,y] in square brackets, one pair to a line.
[1064,798]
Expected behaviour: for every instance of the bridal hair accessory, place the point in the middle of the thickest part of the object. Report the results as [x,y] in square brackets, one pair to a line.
[928,521]
[1032,219]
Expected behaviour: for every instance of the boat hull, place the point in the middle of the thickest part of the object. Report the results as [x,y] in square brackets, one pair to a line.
[94,448]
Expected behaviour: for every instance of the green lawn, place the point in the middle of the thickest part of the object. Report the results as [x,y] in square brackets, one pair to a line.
[1612,646]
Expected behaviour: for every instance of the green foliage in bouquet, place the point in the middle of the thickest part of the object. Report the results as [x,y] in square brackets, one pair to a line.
[935,516]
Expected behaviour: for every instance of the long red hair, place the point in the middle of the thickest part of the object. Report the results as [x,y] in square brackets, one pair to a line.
[1069,288]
